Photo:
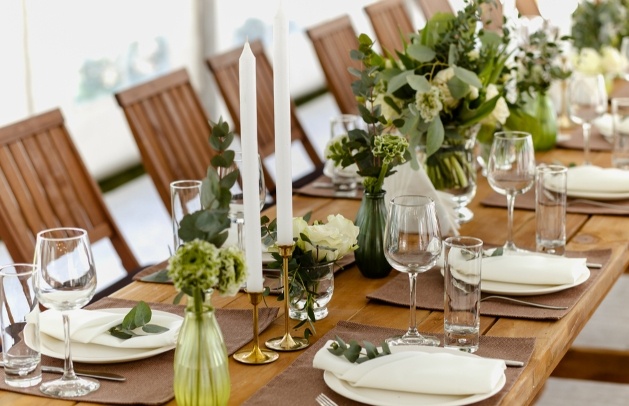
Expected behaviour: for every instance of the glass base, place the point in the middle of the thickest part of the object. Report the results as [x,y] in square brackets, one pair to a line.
[413,340]
[463,215]
[69,388]
[319,313]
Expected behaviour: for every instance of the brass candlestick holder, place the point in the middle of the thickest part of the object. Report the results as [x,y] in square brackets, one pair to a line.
[256,356]
[286,343]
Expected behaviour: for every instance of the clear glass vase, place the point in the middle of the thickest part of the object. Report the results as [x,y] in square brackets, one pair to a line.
[201,367]
[452,169]
[315,284]
[371,220]
[538,117]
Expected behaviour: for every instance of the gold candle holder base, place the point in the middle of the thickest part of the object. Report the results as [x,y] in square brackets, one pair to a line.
[256,356]
[286,342]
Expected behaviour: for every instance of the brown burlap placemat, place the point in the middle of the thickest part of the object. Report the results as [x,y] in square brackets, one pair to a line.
[430,293]
[323,187]
[574,205]
[574,140]
[301,383]
[150,381]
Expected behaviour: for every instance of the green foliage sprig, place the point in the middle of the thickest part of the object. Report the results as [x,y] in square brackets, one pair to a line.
[138,317]
[596,24]
[355,353]
[212,223]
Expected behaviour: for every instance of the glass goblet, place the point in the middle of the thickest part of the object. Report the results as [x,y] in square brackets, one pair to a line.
[588,101]
[236,205]
[185,198]
[66,280]
[511,171]
[412,244]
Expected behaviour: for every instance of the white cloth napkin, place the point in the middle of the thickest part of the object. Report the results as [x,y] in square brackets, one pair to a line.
[407,181]
[414,371]
[534,269]
[589,178]
[91,326]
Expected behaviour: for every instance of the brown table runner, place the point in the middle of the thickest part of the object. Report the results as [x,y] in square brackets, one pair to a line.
[597,141]
[150,381]
[301,383]
[323,187]
[579,206]
[430,293]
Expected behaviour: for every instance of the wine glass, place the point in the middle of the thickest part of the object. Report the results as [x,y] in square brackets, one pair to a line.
[412,244]
[185,198]
[66,280]
[588,101]
[511,171]
[236,205]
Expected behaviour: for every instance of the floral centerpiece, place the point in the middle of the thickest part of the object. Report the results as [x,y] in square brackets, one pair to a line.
[318,247]
[597,31]
[539,61]
[199,267]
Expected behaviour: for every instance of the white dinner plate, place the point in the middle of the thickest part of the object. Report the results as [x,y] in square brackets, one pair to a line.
[384,397]
[598,195]
[523,289]
[94,353]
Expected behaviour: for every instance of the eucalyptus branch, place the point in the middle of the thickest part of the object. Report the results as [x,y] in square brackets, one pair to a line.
[355,353]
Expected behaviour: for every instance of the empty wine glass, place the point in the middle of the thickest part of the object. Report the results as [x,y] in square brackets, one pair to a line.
[511,171]
[185,198]
[412,244]
[236,206]
[588,101]
[66,281]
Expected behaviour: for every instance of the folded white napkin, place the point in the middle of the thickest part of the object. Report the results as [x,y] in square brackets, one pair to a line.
[534,269]
[91,326]
[407,181]
[414,371]
[589,178]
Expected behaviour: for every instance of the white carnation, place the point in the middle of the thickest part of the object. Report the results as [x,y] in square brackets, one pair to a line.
[429,104]
[441,82]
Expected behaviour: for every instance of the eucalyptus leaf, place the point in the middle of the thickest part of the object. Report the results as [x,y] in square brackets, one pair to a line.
[467,76]
[420,52]
[418,83]
[398,81]
[138,317]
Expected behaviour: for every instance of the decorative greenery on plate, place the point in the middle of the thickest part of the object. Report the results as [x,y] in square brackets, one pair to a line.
[356,353]
[138,317]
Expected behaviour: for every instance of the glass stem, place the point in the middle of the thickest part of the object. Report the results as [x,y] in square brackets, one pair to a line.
[586,143]
[241,241]
[509,245]
[68,367]
[412,323]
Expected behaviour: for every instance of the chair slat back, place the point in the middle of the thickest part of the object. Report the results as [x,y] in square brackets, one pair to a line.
[527,7]
[170,128]
[224,67]
[333,40]
[45,184]
[391,23]
[431,7]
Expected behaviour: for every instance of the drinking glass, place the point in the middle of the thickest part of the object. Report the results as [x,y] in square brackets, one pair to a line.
[588,101]
[185,198]
[620,120]
[511,171]
[412,244]
[236,205]
[66,281]
[343,179]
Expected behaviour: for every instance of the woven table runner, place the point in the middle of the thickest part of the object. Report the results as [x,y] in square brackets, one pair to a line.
[301,383]
[430,293]
[150,381]
[574,205]
[574,140]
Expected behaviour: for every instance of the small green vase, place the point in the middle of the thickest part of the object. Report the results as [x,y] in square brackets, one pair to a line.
[538,117]
[201,365]
[371,220]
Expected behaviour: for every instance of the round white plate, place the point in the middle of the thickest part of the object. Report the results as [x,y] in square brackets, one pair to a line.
[384,397]
[522,289]
[94,353]
[598,195]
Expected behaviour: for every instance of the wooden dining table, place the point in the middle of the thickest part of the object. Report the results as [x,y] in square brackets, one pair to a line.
[553,337]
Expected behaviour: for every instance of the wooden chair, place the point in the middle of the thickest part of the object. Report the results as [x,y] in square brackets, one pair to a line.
[333,40]
[170,128]
[45,184]
[430,7]
[225,69]
[391,23]
[527,7]
[492,16]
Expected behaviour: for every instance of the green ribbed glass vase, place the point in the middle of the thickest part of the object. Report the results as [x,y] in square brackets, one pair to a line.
[371,220]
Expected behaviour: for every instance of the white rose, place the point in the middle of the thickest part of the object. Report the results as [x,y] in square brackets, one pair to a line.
[441,82]
[299,225]
[338,233]
[501,111]
[611,60]
[473,94]
[387,111]
[588,61]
